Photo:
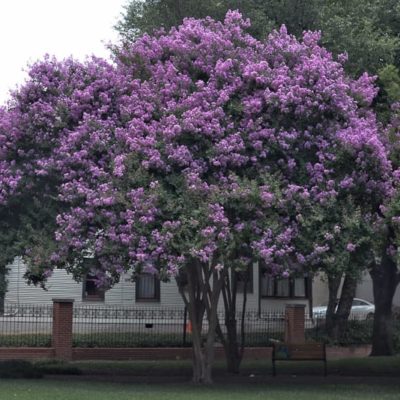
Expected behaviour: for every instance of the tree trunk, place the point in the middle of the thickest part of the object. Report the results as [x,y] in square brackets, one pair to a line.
[385,278]
[3,288]
[232,352]
[330,317]
[199,366]
[233,348]
[344,307]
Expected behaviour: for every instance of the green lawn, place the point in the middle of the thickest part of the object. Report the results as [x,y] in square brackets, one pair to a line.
[69,390]
[125,339]
[353,379]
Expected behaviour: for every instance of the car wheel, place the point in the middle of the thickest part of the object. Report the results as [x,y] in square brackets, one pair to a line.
[370,316]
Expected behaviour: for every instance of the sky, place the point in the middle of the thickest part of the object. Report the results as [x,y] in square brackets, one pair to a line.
[29,29]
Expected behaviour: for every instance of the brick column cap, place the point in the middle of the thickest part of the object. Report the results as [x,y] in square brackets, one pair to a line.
[57,300]
[295,305]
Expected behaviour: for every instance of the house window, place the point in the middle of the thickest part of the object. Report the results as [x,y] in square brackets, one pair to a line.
[283,287]
[91,292]
[147,288]
[241,277]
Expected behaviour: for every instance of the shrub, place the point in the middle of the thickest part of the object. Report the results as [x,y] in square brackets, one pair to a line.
[357,332]
[56,367]
[26,340]
[19,369]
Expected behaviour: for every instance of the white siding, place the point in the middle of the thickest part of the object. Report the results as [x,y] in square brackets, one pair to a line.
[320,290]
[61,285]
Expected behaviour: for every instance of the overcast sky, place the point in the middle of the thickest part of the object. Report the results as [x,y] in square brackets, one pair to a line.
[31,28]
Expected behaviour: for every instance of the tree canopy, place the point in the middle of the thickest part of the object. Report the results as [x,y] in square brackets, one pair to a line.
[366,30]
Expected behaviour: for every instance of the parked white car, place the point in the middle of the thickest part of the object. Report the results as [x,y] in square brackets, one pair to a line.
[360,309]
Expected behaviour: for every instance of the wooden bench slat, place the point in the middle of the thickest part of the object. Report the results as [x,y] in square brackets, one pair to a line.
[302,346]
[318,356]
[299,352]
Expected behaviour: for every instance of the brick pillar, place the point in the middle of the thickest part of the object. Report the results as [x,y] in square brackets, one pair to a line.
[62,328]
[295,316]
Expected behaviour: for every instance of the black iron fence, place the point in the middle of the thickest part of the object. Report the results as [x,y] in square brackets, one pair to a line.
[30,325]
[260,328]
[132,327]
[26,325]
[127,327]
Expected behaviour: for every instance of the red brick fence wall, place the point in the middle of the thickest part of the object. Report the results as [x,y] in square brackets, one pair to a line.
[251,353]
[62,342]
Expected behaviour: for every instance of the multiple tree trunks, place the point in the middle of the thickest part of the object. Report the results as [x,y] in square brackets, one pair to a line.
[233,348]
[338,313]
[201,296]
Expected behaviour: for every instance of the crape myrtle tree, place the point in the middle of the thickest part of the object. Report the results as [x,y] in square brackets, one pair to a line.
[58,100]
[200,152]
[367,30]
[228,140]
[219,125]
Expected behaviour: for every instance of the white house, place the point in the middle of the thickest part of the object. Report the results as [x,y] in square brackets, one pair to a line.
[264,293]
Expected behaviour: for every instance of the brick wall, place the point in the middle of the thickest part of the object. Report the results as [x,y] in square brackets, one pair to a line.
[294,329]
[251,353]
[26,353]
[62,328]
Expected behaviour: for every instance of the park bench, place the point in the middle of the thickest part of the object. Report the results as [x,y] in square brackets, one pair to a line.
[299,352]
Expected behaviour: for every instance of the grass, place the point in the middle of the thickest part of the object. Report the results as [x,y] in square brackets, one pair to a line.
[291,383]
[123,339]
[64,390]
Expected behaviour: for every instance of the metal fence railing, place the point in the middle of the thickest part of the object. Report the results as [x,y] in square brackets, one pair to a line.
[261,328]
[108,326]
[133,327]
[26,325]
[30,325]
